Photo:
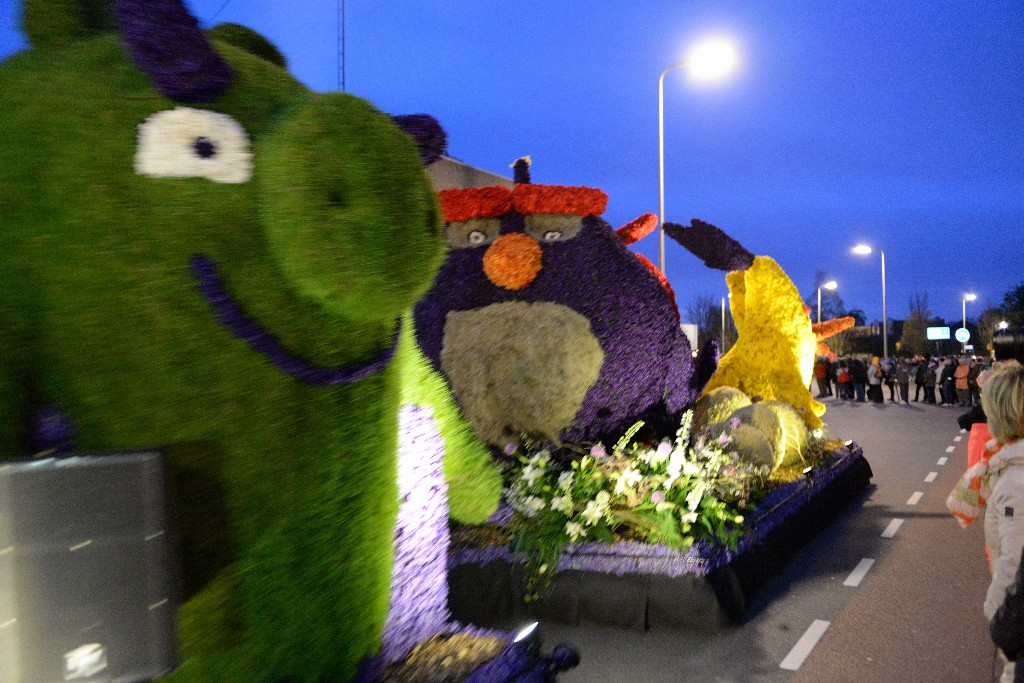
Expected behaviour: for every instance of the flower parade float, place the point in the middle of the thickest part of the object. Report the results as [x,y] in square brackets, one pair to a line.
[206,259]
[644,485]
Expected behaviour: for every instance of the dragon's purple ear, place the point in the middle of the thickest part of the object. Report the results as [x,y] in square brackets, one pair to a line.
[426,132]
[164,41]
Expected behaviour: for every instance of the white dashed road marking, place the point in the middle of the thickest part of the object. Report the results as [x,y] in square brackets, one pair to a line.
[957,438]
[942,461]
[950,449]
[893,527]
[916,498]
[859,572]
[931,477]
[804,646]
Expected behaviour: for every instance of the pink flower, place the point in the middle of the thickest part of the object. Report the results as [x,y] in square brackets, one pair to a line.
[511,448]
[598,451]
[657,497]
[734,422]
[724,439]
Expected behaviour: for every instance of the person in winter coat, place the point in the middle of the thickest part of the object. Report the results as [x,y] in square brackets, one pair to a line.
[902,377]
[946,382]
[931,377]
[963,392]
[919,380]
[1002,398]
[889,378]
[859,375]
[844,383]
[821,375]
[972,381]
[875,374]
[1007,626]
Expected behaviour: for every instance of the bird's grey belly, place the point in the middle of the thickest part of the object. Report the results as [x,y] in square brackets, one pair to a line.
[520,368]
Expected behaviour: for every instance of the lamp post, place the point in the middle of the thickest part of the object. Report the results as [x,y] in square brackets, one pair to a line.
[967,297]
[863,249]
[830,285]
[708,61]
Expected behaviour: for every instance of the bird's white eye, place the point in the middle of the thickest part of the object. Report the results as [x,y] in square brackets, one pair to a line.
[552,227]
[473,232]
[193,143]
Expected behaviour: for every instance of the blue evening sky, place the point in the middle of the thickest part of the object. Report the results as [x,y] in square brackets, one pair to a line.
[899,124]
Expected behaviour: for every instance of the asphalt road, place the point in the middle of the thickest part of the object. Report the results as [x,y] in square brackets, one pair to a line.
[892,591]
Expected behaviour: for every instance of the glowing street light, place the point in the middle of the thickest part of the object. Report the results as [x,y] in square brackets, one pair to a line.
[830,285]
[967,297]
[863,249]
[712,60]
[1003,325]
[708,61]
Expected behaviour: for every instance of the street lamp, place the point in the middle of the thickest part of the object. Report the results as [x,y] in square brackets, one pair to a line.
[967,297]
[864,249]
[830,285]
[708,61]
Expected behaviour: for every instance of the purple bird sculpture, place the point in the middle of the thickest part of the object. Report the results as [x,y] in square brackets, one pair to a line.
[544,324]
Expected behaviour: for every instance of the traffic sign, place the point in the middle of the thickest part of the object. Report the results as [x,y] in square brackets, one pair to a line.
[962,335]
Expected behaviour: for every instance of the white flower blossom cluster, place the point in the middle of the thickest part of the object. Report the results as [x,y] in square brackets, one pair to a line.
[602,490]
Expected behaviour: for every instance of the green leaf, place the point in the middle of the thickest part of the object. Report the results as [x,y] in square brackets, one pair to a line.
[602,533]
[621,444]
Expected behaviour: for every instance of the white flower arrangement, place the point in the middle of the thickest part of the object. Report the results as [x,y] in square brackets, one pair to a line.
[670,492]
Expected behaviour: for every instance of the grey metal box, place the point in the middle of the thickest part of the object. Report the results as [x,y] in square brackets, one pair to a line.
[87,591]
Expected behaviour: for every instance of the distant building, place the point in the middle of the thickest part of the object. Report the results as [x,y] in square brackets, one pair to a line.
[447,173]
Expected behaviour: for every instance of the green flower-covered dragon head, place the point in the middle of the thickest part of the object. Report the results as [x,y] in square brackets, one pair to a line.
[201,255]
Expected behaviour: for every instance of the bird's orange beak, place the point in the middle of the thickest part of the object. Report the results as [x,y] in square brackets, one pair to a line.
[512,261]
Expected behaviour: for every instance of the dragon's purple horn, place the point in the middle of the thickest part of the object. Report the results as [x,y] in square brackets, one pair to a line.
[165,42]
[428,134]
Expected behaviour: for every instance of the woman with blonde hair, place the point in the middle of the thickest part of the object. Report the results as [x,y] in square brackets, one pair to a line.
[1002,398]
[875,375]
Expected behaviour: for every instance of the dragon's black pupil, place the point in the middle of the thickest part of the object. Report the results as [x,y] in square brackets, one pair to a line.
[204,147]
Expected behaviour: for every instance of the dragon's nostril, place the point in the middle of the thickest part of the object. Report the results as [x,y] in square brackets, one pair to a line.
[334,198]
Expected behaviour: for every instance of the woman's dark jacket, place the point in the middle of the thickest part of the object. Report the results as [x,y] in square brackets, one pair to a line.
[858,372]
[1007,626]
[922,370]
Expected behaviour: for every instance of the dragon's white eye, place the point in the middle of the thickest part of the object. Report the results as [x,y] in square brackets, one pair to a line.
[193,143]
[552,236]
[476,237]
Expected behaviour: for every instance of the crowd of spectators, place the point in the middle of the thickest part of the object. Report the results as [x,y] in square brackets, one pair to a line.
[946,381]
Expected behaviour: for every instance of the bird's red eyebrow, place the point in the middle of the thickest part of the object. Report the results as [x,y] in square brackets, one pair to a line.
[461,204]
[489,202]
